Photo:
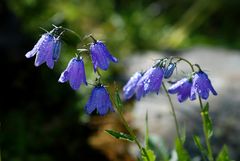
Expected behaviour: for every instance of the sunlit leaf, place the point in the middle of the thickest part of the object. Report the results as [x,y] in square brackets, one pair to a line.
[150,154]
[120,135]
[223,155]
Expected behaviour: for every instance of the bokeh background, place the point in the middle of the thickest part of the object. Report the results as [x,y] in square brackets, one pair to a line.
[42,120]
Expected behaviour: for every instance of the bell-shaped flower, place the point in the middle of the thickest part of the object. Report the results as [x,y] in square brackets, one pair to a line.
[183,89]
[150,82]
[129,88]
[202,85]
[101,56]
[44,49]
[74,73]
[99,100]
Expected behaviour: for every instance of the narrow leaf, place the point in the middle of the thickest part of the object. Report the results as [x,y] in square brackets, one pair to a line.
[120,135]
[223,155]
[118,100]
[181,151]
[199,145]
[208,120]
[150,154]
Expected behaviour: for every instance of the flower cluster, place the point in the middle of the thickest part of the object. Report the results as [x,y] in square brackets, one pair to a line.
[150,81]
[47,49]
[142,84]
[198,83]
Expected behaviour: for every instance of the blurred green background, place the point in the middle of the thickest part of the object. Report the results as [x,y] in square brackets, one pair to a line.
[42,120]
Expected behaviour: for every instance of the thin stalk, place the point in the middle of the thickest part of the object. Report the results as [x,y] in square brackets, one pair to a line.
[173,113]
[210,155]
[130,130]
[185,60]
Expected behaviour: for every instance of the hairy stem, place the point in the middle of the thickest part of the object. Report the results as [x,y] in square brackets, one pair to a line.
[173,113]
[210,155]
[130,131]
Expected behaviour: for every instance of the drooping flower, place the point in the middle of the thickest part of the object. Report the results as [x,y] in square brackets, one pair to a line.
[169,70]
[74,73]
[183,89]
[202,85]
[44,49]
[101,56]
[150,82]
[129,88]
[99,100]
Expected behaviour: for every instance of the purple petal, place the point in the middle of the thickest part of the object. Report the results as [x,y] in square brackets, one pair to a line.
[92,102]
[98,57]
[99,100]
[77,74]
[129,88]
[107,53]
[65,74]
[56,49]
[37,46]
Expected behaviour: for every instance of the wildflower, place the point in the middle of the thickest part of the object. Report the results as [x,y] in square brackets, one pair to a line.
[101,56]
[129,88]
[150,82]
[202,85]
[44,50]
[169,70]
[183,89]
[74,73]
[99,100]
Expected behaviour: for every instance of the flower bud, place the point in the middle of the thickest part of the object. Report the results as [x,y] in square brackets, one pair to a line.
[169,70]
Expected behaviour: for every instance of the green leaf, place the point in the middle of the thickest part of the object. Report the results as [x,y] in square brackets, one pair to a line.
[208,121]
[199,145]
[183,134]
[120,135]
[118,100]
[181,151]
[150,154]
[223,155]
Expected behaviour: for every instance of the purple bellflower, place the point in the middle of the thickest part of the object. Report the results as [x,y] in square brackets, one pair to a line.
[150,82]
[44,50]
[202,85]
[129,88]
[183,89]
[74,73]
[99,100]
[100,56]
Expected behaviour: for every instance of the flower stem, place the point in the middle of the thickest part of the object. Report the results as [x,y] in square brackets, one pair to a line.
[185,60]
[130,130]
[173,113]
[132,134]
[210,155]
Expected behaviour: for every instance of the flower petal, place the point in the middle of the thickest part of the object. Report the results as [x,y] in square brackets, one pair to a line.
[97,54]
[129,88]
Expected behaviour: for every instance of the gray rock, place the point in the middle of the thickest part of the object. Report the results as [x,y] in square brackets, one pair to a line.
[223,68]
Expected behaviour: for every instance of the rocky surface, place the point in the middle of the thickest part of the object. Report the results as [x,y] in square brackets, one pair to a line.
[223,68]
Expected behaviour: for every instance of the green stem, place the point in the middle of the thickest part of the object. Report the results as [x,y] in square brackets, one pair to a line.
[173,113]
[185,60]
[210,155]
[130,130]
